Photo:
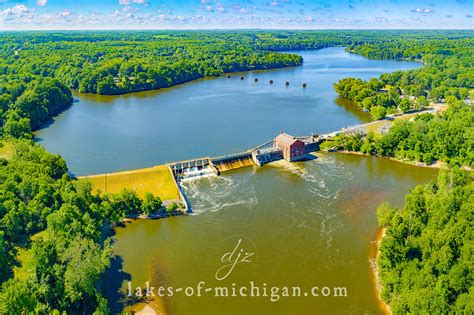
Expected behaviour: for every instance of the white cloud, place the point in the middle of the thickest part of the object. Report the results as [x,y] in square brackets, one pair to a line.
[127,2]
[65,13]
[41,2]
[129,9]
[17,10]
[418,10]
[17,13]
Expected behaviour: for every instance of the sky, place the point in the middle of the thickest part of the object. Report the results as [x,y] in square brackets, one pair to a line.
[235,14]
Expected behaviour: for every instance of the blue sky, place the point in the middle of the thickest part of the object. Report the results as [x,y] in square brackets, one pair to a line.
[232,14]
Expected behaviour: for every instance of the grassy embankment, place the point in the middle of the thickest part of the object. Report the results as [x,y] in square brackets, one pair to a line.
[157,180]
[26,259]
[6,150]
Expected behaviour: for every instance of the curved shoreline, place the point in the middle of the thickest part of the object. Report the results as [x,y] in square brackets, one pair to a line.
[374,268]
[243,71]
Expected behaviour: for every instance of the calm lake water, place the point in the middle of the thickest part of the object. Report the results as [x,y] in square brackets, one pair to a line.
[307,224]
[210,117]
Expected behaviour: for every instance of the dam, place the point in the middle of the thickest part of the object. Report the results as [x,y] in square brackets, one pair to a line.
[284,146]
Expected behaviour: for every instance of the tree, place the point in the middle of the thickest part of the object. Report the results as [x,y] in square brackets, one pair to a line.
[405,105]
[17,297]
[378,112]
[421,102]
[4,259]
[19,129]
[151,203]
[425,258]
[85,262]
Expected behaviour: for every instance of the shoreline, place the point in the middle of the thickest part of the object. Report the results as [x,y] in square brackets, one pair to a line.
[152,307]
[374,270]
[224,74]
[437,165]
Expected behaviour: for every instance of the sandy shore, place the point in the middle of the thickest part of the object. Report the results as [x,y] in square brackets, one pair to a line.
[373,257]
[154,307]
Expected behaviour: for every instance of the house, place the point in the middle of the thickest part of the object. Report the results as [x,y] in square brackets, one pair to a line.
[292,148]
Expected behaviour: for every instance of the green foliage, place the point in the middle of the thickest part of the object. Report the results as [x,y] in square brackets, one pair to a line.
[17,128]
[426,258]
[151,204]
[71,256]
[17,297]
[378,112]
[421,102]
[172,207]
[443,75]
[448,137]
[4,259]
[85,262]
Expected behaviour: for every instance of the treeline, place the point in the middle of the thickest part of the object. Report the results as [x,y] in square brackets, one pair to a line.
[26,104]
[117,63]
[426,257]
[448,137]
[447,73]
[120,76]
[63,229]
[42,65]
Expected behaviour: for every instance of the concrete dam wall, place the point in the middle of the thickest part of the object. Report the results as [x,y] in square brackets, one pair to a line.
[232,162]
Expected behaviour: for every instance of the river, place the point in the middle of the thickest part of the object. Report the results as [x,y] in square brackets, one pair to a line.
[308,224]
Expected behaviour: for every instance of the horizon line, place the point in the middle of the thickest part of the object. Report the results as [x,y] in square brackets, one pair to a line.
[237,29]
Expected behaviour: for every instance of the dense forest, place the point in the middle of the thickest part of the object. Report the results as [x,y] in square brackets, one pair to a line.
[446,137]
[60,228]
[426,257]
[447,73]
[43,65]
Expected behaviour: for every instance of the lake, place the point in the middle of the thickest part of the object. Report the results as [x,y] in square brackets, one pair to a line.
[306,224]
[209,117]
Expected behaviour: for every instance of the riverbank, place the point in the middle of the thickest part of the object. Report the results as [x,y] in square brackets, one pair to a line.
[153,307]
[373,258]
[436,165]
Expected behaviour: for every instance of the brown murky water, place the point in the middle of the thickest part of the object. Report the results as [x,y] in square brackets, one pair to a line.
[309,224]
